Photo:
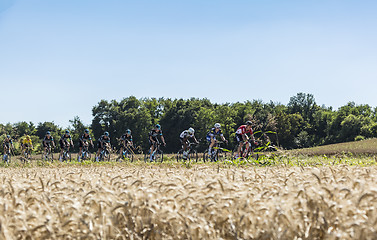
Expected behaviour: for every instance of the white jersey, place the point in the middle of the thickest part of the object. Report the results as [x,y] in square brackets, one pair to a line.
[185,134]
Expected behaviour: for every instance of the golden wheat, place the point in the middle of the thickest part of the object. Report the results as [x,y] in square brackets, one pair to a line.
[204,202]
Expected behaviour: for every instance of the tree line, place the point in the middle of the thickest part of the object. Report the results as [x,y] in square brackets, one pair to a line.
[300,123]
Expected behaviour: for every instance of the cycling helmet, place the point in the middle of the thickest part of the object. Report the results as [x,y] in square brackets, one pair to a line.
[217,125]
[191,131]
[8,136]
[86,131]
[27,137]
[48,133]
[66,131]
[128,131]
[158,126]
[106,133]
[249,123]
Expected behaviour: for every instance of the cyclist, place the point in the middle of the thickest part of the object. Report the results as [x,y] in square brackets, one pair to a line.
[7,145]
[65,142]
[83,140]
[102,141]
[26,143]
[126,140]
[47,141]
[153,139]
[242,138]
[211,136]
[184,138]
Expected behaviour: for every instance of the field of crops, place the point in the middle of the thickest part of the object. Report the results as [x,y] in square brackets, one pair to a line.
[202,201]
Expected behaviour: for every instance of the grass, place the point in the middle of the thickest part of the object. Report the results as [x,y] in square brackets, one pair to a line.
[364,147]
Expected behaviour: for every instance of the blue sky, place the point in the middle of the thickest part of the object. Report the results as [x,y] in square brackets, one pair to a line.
[60,58]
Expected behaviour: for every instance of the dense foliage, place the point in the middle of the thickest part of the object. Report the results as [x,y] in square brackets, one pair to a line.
[300,123]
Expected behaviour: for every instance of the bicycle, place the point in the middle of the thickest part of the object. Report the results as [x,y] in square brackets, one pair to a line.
[48,155]
[26,154]
[192,153]
[157,155]
[246,152]
[66,154]
[218,153]
[126,152]
[105,154]
[86,155]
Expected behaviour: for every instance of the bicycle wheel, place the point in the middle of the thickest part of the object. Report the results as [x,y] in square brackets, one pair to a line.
[158,156]
[193,156]
[130,156]
[221,155]
[206,158]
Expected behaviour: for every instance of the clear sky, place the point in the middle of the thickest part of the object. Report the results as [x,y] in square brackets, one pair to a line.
[60,58]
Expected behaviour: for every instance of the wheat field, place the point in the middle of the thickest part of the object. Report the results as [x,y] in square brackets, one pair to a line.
[202,202]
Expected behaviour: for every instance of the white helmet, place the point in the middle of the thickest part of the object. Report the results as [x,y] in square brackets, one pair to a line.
[191,131]
[217,125]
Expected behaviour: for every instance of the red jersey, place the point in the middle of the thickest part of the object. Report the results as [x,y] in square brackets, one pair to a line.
[242,130]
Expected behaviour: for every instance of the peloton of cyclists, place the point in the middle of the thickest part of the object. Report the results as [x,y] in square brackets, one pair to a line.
[153,139]
[102,142]
[84,139]
[211,137]
[65,142]
[184,138]
[242,138]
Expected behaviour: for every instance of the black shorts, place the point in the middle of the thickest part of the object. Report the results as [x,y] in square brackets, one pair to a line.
[63,143]
[81,144]
[154,139]
[184,141]
[239,138]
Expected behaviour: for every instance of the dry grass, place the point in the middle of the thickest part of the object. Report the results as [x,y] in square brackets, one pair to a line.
[204,202]
[364,147]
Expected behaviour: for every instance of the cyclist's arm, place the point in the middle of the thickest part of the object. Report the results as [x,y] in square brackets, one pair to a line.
[193,137]
[163,140]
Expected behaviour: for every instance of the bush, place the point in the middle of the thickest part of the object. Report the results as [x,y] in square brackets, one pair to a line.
[359,138]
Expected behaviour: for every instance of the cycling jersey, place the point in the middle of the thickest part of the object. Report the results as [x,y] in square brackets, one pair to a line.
[66,138]
[126,137]
[242,130]
[154,133]
[186,134]
[7,142]
[104,139]
[27,142]
[84,138]
[213,132]
[48,140]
